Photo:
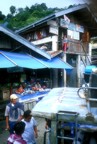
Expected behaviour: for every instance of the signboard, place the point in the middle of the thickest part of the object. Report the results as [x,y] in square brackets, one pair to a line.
[76,27]
[64,22]
[79,28]
[73,34]
[53,29]
[66,19]
[72,26]
[52,23]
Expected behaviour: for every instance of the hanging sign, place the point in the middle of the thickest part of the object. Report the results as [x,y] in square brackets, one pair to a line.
[72,26]
[79,28]
[53,29]
[64,22]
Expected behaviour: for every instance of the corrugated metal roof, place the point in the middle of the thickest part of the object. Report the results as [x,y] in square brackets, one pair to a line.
[54,53]
[41,21]
[71,10]
[82,12]
[23,41]
[6,62]
[10,59]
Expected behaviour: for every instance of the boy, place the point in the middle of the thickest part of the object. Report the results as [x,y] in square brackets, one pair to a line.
[30,132]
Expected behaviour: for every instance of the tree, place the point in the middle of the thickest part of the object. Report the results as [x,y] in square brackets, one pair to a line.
[2,17]
[26,8]
[44,7]
[20,10]
[18,18]
[9,16]
[12,10]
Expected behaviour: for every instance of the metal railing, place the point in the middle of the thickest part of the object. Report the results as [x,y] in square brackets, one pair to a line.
[67,114]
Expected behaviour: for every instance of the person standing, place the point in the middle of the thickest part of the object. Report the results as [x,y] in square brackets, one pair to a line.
[14,112]
[30,133]
[48,128]
[65,43]
[16,138]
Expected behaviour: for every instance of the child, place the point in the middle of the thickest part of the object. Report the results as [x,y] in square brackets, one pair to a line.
[16,138]
[30,132]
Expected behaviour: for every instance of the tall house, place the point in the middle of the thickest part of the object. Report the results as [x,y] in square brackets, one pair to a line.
[67,32]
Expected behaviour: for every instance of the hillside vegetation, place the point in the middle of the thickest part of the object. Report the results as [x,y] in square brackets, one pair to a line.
[18,18]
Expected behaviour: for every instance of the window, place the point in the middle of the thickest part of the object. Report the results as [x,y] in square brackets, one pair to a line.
[73,34]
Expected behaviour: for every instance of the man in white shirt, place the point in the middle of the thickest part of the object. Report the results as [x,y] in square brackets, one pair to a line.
[30,132]
[13,113]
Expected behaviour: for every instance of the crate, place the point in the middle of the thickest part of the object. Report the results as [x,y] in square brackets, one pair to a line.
[6,94]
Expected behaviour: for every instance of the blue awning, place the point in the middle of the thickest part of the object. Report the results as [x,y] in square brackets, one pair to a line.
[5,63]
[21,60]
[88,69]
[11,59]
[56,63]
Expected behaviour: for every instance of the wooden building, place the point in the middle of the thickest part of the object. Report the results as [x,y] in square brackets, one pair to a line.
[68,31]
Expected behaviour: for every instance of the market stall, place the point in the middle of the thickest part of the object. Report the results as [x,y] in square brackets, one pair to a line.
[31,99]
[18,64]
[24,97]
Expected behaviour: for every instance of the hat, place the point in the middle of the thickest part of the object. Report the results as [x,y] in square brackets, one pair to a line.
[13,96]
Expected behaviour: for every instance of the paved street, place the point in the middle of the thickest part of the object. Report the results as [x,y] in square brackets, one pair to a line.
[4,134]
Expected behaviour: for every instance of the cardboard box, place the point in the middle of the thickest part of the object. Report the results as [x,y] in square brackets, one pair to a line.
[6,94]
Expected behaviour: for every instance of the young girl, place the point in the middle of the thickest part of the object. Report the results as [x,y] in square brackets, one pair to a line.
[16,138]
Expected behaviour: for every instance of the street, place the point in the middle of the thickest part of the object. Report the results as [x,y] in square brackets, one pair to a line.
[41,128]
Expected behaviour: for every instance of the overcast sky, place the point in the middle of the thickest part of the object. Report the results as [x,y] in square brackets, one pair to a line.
[5,4]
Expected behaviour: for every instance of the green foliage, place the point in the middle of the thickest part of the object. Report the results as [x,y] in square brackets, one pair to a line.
[12,9]
[2,17]
[18,18]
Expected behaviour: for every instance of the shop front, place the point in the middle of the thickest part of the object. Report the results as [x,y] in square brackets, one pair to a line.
[21,68]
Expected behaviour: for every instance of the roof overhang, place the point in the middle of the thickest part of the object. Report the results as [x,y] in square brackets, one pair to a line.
[82,12]
[22,60]
[24,42]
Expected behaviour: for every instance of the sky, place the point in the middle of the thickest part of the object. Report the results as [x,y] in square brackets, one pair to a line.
[5,4]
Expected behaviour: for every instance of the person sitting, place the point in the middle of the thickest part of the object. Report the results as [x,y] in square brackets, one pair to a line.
[16,138]
[20,89]
[37,87]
